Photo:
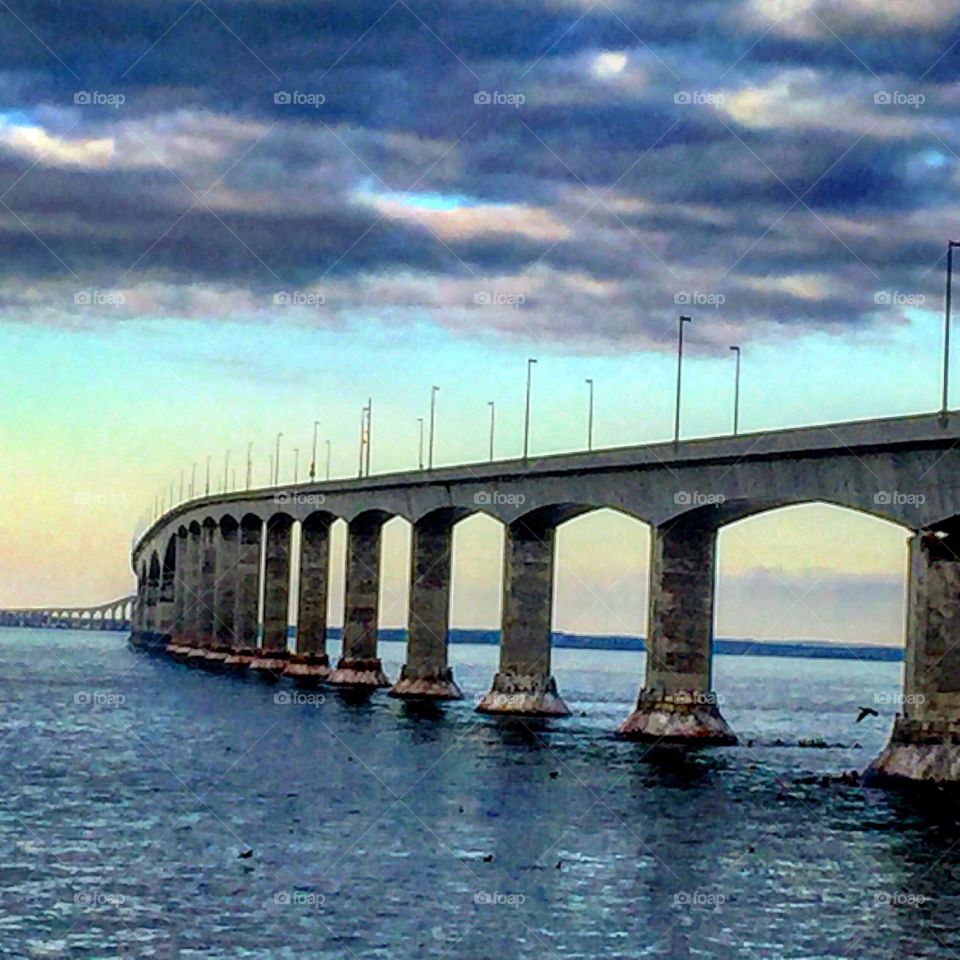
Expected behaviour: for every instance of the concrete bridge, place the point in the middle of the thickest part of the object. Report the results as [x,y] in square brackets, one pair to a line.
[205,594]
[115,615]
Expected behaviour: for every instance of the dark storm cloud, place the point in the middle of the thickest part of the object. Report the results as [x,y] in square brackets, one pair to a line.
[796,159]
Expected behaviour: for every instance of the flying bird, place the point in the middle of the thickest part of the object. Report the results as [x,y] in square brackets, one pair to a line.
[866,712]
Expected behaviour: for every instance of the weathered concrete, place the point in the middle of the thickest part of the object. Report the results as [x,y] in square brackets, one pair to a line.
[276,591]
[166,594]
[208,578]
[189,582]
[523,684]
[225,586]
[310,664]
[152,598]
[359,666]
[426,675]
[925,742]
[246,613]
[179,592]
[676,704]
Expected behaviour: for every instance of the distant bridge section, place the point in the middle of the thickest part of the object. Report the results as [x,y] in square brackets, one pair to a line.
[115,615]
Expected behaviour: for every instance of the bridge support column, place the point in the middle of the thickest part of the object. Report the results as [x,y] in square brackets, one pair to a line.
[425,675]
[165,604]
[676,704]
[272,660]
[246,612]
[207,578]
[152,599]
[925,742]
[179,591]
[310,663]
[523,684]
[190,585]
[225,590]
[359,666]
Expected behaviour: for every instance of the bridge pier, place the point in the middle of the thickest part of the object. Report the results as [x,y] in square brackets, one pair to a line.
[189,584]
[179,591]
[247,594]
[924,744]
[359,666]
[426,675]
[272,658]
[676,703]
[227,540]
[523,684]
[310,663]
[205,584]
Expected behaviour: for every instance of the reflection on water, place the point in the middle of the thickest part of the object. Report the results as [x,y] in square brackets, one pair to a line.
[153,810]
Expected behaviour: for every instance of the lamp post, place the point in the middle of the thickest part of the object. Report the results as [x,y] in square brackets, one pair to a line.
[328,459]
[493,416]
[420,448]
[296,464]
[363,437]
[369,429]
[946,327]
[433,411]
[207,487]
[249,463]
[526,417]
[313,459]
[226,469]
[589,383]
[676,419]
[181,486]
[193,480]
[276,463]
[736,393]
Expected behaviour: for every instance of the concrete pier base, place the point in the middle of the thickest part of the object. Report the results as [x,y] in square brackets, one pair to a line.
[679,717]
[356,673]
[307,669]
[196,655]
[240,658]
[918,752]
[214,657]
[432,687]
[269,665]
[531,695]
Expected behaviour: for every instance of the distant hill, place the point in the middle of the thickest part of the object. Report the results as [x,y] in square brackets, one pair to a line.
[809,649]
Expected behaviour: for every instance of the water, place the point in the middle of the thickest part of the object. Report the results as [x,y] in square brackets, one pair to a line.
[131,785]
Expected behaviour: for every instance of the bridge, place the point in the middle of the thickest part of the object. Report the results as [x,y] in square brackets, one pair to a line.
[214,573]
[115,615]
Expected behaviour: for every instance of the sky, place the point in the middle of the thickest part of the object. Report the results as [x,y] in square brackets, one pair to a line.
[221,221]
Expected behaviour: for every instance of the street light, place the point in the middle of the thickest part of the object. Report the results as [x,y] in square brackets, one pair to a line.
[276,463]
[313,459]
[328,459]
[296,464]
[946,325]
[369,429]
[193,479]
[249,463]
[181,486]
[420,448]
[493,415]
[736,393]
[207,488]
[526,417]
[433,410]
[363,438]
[676,419]
[226,469]
[589,383]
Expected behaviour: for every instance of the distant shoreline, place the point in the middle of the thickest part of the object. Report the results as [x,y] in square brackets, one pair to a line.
[806,649]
